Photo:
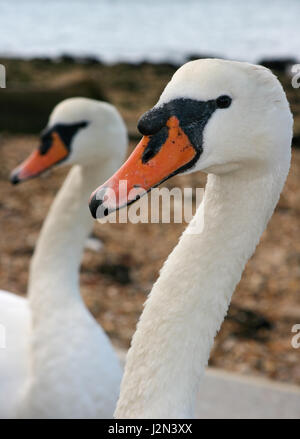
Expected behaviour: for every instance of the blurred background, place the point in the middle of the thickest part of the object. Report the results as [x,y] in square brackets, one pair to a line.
[125,52]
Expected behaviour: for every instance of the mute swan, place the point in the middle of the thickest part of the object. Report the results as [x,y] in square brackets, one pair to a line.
[232,121]
[70,370]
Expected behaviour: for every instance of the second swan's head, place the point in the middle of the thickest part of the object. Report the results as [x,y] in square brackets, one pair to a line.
[79,131]
[214,115]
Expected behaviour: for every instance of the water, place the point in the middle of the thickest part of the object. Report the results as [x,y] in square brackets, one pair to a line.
[157,30]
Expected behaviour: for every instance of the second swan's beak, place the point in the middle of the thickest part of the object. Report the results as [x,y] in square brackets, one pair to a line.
[51,152]
[155,159]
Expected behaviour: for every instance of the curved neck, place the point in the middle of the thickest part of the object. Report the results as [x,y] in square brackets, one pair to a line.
[54,271]
[188,303]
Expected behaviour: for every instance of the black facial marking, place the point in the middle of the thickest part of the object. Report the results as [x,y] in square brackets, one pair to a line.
[192,115]
[46,142]
[155,144]
[65,131]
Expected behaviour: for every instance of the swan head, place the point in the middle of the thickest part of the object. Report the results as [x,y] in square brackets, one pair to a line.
[214,115]
[79,131]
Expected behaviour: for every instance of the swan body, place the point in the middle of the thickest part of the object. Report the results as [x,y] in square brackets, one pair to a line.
[232,121]
[14,369]
[63,365]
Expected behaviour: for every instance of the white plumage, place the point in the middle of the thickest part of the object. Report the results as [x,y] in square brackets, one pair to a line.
[58,362]
[246,152]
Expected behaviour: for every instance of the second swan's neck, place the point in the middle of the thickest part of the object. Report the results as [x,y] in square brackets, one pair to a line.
[54,271]
[187,304]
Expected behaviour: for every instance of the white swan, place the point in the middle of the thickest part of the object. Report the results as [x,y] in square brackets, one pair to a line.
[232,121]
[70,369]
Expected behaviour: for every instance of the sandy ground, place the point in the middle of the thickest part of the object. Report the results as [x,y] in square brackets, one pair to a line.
[255,337]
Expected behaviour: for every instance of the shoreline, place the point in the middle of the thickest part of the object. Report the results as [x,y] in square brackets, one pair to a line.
[285,60]
[35,86]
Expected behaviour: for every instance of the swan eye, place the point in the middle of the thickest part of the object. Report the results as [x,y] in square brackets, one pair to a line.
[223,101]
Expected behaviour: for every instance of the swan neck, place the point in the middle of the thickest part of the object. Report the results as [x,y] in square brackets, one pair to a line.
[189,301]
[54,271]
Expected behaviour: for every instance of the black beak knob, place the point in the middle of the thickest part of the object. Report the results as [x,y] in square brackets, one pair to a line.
[94,204]
[14,178]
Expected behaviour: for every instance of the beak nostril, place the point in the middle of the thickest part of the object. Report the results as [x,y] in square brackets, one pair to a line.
[155,144]
[106,212]
[148,155]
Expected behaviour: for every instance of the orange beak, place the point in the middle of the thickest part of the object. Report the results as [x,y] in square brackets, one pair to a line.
[138,175]
[39,162]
